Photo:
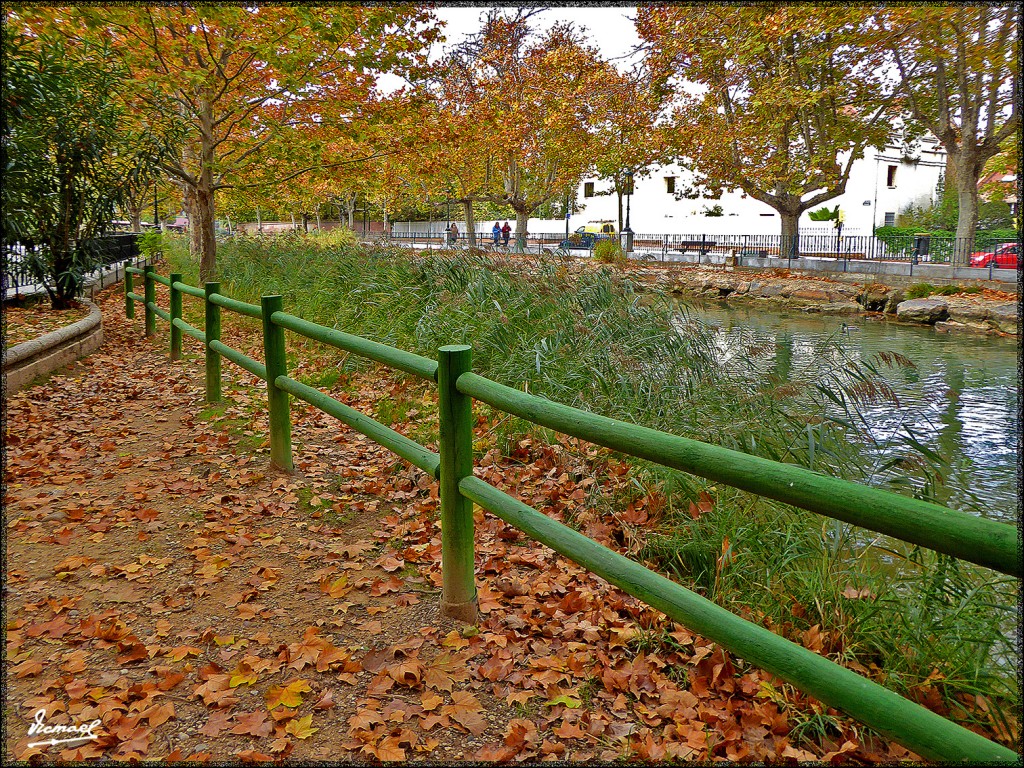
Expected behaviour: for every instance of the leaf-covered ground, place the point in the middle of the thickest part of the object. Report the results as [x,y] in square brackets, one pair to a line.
[161,577]
[33,320]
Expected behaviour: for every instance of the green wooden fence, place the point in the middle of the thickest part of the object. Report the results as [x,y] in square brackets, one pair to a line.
[984,542]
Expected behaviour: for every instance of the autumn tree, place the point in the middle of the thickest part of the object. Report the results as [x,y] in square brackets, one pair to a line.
[454,144]
[629,144]
[958,69]
[536,97]
[225,81]
[776,100]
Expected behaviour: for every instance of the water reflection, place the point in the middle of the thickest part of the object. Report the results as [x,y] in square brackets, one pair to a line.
[960,398]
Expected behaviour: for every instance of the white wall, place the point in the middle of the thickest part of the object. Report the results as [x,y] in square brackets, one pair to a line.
[866,200]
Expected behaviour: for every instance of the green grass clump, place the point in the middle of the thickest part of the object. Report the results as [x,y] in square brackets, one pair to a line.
[920,290]
[610,252]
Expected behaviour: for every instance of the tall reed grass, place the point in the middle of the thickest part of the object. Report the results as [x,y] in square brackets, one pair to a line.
[924,623]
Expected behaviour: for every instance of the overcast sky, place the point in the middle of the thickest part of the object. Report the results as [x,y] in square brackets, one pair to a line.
[611,27]
[611,30]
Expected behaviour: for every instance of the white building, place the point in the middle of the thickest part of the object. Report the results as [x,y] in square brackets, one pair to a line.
[882,184]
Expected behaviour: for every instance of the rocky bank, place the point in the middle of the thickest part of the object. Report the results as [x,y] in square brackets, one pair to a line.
[989,311]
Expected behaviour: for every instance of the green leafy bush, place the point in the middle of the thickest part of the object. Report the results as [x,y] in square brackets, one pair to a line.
[610,252]
[151,244]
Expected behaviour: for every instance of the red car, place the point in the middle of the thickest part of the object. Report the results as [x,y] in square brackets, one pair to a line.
[1002,256]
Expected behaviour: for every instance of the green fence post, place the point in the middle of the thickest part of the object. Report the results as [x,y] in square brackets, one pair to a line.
[129,303]
[277,399]
[212,334]
[175,312]
[150,295]
[455,417]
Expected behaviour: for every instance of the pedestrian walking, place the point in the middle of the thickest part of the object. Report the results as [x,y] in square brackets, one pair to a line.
[506,232]
[496,232]
[453,234]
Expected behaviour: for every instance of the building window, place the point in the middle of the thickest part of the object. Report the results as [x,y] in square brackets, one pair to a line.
[588,189]
[670,184]
[890,177]
[890,218]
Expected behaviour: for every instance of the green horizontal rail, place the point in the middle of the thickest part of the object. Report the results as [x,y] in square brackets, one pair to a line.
[161,313]
[917,728]
[415,364]
[135,270]
[136,296]
[199,293]
[162,280]
[191,330]
[242,361]
[408,449]
[252,310]
[984,542]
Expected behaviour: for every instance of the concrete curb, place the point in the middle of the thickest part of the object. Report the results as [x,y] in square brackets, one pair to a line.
[38,357]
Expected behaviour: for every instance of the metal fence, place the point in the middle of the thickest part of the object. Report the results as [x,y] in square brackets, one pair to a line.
[902,248]
[24,265]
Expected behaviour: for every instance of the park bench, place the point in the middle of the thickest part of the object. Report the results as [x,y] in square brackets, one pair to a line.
[701,246]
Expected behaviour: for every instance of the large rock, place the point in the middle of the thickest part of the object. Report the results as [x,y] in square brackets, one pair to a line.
[962,311]
[875,297]
[841,308]
[922,310]
[895,298]
[1004,317]
[809,294]
[955,326]
[773,291]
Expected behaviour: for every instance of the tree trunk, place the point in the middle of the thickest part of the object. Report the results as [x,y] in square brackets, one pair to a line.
[135,217]
[305,223]
[618,194]
[467,207]
[350,207]
[204,226]
[789,244]
[65,278]
[522,219]
[195,245]
[259,221]
[966,175]
[204,198]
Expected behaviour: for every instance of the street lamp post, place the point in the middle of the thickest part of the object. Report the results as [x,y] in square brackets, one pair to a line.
[840,217]
[566,215]
[629,194]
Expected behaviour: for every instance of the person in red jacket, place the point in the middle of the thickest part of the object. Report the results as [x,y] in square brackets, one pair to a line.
[506,231]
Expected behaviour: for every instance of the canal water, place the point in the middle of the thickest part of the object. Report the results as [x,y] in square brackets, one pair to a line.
[956,395]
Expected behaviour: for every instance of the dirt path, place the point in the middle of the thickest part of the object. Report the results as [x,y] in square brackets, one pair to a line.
[163,579]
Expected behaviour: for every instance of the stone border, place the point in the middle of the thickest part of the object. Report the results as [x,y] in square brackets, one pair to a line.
[24,362]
